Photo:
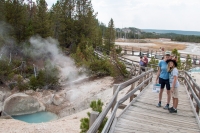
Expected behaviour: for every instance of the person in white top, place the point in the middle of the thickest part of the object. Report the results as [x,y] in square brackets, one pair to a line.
[174,84]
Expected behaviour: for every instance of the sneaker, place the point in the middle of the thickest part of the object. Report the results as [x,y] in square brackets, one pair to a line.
[166,107]
[173,110]
[170,108]
[159,105]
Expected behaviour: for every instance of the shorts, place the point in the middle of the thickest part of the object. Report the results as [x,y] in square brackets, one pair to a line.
[175,93]
[164,82]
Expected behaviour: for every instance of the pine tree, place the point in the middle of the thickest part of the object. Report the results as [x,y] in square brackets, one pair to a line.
[175,53]
[41,21]
[2,10]
[110,35]
[16,15]
[153,63]
[188,63]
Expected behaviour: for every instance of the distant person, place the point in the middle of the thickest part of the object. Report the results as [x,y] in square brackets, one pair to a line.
[173,80]
[141,63]
[161,59]
[163,79]
[160,49]
[175,58]
[145,60]
[163,49]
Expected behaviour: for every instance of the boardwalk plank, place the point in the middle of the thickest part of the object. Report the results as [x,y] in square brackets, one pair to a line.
[159,122]
[152,107]
[183,107]
[162,115]
[127,124]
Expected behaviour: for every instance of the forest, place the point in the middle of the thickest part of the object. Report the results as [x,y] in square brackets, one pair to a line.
[72,23]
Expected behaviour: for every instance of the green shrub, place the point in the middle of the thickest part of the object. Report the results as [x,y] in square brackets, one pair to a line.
[96,106]
[119,50]
[153,63]
[99,66]
[45,78]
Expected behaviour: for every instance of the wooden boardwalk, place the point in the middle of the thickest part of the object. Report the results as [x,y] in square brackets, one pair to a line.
[142,115]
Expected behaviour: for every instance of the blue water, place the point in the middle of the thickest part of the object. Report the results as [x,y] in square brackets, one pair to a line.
[197,69]
[37,117]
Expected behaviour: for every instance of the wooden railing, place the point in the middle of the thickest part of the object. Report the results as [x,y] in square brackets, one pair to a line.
[151,51]
[133,66]
[193,88]
[145,79]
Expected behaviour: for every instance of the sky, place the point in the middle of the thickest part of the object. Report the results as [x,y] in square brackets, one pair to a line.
[149,14]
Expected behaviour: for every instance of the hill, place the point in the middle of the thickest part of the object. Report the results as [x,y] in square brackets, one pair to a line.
[196,33]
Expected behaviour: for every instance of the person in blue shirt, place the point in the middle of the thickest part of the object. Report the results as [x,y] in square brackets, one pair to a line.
[142,63]
[163,79]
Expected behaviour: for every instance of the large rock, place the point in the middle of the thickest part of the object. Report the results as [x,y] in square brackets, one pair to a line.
[48,99]
[20,104]
[58,99]
[2,96]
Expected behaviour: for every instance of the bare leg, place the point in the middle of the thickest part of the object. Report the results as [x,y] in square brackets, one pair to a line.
[168,96]
[160,94]
[175,103]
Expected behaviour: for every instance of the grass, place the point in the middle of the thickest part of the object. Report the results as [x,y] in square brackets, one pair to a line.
[167,46]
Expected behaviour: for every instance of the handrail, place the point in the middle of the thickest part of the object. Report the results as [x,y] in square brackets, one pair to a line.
[193,88]
[109,122]
[193,93]
[98,121]
[192,80]
[129,48]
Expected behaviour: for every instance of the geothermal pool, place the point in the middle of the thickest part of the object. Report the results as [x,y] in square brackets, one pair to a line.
[196,69]
[38,117]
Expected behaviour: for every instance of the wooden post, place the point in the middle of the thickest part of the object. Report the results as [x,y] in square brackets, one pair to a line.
[125,51]
[114,89]
[93,117]
[141,80]
[132,52]
[197,107]
[191,97]
[133,96]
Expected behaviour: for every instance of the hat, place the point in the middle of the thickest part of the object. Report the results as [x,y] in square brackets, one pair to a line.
[168,53]
[175,63]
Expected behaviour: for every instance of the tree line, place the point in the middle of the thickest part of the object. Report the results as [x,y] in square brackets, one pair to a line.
[134,33]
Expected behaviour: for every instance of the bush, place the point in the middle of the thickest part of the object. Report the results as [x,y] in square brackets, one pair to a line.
[46,78]
[153,63]
[5,70]
[99,66]
[96,106]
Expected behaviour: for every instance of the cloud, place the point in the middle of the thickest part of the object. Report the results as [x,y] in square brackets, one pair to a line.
[154,14]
